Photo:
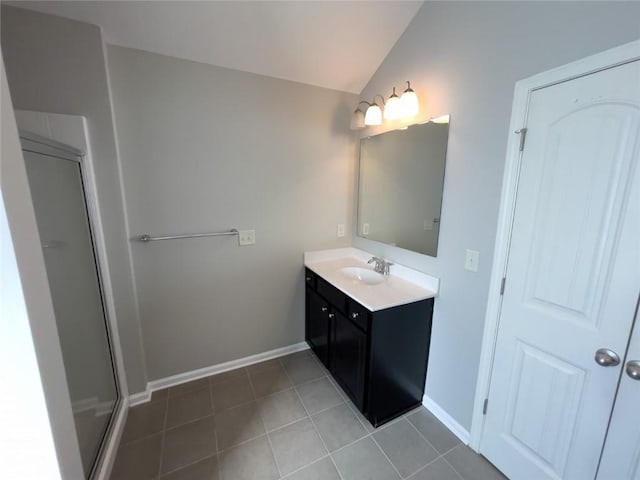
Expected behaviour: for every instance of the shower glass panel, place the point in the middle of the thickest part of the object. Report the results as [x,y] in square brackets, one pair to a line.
[55,180]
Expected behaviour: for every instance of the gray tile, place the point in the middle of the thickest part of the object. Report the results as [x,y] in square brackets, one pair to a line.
[250,461]
[338,426]
[206,469]
[159,394]
[280,409]
[319,395]
[367,424]
[438,470]
[472,466]
[296,445]
[138,460]
[189,406]
[362,460]
[188,443]
[433,430]
[188,387]
[231,393]
[296,356]
[301,370]
[257,367]
[144,420]
[228,375]
[321,470]
[270,380]
[405,447]
[238,424]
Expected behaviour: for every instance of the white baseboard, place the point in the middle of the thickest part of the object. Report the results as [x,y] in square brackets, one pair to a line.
[103,471]
[448,421]
[140,397]
[172,381]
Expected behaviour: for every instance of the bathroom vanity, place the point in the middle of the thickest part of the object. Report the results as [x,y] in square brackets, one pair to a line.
[371,331]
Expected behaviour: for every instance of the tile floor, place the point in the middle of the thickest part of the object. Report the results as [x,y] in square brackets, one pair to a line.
[283,419]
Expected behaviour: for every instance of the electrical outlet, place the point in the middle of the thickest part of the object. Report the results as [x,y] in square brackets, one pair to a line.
[247,237]
[428,225]
[341,230]
[365,229]
[471,260]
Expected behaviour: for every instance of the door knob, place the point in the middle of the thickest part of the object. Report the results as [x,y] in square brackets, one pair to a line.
[332,315]
[633,369]
[607,358]
[324,309]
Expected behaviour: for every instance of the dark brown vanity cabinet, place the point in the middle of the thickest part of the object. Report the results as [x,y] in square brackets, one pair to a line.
[378,358]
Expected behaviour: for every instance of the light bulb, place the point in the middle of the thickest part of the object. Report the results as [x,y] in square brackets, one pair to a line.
[409,102]
[373,115]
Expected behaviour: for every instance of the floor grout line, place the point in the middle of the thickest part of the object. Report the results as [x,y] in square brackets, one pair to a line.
[315,428]
[264,426]
[267,432]
[164,430]
[386,456]
[452,467]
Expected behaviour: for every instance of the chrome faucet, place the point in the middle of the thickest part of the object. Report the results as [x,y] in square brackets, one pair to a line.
[380,266]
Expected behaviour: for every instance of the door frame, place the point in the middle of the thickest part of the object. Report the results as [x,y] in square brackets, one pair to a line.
[523,89]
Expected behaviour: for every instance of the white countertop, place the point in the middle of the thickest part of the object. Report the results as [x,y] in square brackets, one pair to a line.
[402,286]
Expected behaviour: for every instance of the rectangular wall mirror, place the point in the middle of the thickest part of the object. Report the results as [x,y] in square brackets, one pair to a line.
[400,186]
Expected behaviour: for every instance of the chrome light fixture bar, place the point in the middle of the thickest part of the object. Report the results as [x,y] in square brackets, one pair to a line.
[395,108]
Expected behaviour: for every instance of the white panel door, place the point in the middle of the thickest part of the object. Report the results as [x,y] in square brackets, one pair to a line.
[572,278]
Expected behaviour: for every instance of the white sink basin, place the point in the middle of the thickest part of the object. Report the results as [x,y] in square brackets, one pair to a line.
[362,275]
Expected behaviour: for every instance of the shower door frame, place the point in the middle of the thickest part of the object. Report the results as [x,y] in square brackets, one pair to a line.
[38,144]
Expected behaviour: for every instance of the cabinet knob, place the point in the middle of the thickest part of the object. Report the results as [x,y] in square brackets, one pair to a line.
[332,315]
[324,309]
[355,315]
[308,279]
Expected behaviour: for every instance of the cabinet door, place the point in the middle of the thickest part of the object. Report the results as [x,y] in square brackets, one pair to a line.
[318,326]
[349,348]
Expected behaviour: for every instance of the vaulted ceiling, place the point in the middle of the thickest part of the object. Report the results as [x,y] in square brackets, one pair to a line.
[332,44]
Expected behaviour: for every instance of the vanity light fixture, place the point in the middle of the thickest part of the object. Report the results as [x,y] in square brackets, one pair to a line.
[409,102]
[374,112]
[396,108]
[393,108]
[440,119]
[357,119]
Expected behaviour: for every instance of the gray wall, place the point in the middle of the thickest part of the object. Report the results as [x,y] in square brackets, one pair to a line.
[463,58]
[57,65]
[203,149]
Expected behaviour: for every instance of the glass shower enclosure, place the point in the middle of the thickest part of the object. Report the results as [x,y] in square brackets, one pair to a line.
[55,174]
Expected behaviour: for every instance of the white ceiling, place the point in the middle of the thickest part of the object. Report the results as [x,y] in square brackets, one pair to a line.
[332,44]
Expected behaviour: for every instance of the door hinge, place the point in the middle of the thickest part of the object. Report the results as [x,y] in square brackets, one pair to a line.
[484,406]
[502,284]
[523,135]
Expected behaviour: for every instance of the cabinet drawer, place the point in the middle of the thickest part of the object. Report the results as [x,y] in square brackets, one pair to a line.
[309,278]
[358,314]
[334,296]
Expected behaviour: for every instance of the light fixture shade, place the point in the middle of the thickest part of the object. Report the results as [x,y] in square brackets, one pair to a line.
[409,101]
[393,108]
[373,115]
[357,119]
[440,119]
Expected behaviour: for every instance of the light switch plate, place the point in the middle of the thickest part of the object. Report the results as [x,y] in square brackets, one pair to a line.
[246,237]
[341,230]
[365,229]
[471,260]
